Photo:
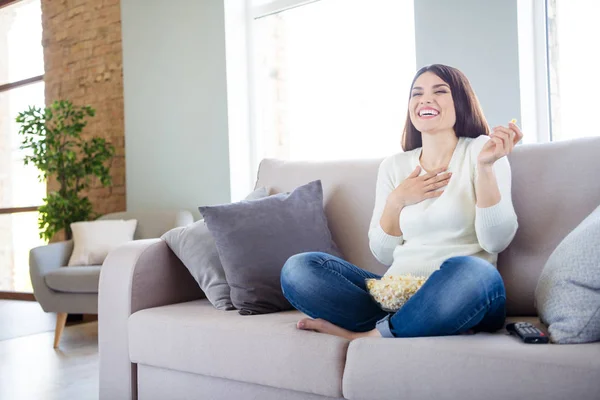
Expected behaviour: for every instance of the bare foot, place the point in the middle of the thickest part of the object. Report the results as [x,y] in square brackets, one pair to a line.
[324,326]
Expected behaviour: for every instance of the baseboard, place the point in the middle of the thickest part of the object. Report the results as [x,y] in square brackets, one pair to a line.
[16,296]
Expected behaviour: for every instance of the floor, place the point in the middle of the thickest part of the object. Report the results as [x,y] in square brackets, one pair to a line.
[30,368]
[21,318]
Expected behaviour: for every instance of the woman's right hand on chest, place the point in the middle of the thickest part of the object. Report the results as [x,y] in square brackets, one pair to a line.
[414,189]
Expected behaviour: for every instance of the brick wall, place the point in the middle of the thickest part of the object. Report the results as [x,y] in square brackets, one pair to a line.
[83,63]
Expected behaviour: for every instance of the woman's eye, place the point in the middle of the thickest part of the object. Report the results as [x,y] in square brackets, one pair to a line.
[416,94]
[441,91]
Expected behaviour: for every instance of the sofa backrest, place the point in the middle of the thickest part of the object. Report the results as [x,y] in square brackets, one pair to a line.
[555,186]
[153,223]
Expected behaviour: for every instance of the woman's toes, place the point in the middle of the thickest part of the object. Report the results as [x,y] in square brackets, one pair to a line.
[324,326]
[307,324]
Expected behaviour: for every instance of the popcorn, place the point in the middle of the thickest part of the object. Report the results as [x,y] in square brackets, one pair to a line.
[392,291]
[514,121]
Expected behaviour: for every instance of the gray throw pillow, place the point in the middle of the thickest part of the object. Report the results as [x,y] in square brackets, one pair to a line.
[568,292]
[195,247]
[255,238]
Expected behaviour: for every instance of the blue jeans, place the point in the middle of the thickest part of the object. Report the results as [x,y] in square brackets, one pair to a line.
[466,293]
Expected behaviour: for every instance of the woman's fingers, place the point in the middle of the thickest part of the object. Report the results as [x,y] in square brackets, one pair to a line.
[505,141]
[514,132]
[434,193]
[506,136]
[433,173]
[440,182]
[415,173]
[517,131]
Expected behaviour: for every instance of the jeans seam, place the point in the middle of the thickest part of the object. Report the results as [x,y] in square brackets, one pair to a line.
[330,260]
[478,311]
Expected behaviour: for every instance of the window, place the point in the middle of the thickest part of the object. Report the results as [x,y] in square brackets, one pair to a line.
[556,51]
[572,60]
[330,78]
[21,85]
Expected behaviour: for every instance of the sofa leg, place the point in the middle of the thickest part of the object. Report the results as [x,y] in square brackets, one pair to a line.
[61,320]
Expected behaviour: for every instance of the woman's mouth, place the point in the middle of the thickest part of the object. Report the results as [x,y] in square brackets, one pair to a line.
[428,113]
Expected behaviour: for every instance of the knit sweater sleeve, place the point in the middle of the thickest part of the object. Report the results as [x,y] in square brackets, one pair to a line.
[382,245]
[497,225]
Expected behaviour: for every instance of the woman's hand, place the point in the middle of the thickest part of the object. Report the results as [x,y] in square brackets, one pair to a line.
[501,143]
[415,188]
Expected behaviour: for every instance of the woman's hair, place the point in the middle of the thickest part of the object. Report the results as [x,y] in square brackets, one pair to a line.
[470,121]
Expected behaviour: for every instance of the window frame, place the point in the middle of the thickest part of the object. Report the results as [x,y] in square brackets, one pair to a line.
[534,71]
[241,89]
[7,87]
[275,6]
[255,12]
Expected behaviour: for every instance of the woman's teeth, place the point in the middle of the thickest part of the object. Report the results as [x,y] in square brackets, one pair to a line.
[428,113]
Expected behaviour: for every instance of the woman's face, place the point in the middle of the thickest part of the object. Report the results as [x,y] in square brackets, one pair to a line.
[431,106]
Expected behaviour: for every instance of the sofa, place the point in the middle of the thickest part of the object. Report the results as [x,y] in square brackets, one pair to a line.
[74,290]
[159,338]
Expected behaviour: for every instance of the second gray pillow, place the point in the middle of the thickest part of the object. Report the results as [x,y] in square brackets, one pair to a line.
[195,247]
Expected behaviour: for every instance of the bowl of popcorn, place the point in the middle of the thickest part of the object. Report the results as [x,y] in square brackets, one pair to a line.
[392,291]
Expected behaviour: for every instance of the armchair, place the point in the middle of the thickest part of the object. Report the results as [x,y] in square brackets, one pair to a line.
[75,289]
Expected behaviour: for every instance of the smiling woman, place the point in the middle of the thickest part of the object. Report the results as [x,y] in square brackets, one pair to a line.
[443,211]
[447,99]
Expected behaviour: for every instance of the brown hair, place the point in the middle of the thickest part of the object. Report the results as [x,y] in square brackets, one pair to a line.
[470,121]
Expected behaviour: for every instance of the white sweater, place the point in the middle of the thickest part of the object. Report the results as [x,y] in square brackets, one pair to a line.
[450,225]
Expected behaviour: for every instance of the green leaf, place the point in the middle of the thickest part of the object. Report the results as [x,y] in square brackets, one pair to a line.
[53,143]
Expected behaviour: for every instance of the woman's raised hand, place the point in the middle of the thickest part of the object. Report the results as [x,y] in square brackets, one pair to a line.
[501,143]
[415,188]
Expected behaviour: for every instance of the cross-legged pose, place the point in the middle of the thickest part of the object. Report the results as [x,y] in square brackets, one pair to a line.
[443,210]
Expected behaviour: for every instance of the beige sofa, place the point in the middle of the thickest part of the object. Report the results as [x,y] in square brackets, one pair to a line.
[161,339]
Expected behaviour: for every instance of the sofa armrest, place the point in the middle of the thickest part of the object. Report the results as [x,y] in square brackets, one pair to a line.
[42,260]
[137,275]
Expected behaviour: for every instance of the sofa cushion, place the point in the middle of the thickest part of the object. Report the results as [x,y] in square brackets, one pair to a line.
[74,279]
[263,349]
[484,365]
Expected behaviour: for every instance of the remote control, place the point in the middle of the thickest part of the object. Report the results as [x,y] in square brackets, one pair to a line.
[527,332]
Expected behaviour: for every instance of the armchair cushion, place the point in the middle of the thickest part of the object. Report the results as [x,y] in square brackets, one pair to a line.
[74,279]
[93,240]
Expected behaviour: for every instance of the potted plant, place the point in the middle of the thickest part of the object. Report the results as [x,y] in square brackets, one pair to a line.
[53,139]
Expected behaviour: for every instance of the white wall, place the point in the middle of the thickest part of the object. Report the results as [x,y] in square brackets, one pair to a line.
[176,142]
[176,127]
[480,38]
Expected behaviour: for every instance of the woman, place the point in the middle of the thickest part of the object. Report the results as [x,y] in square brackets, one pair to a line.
[442,210]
